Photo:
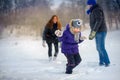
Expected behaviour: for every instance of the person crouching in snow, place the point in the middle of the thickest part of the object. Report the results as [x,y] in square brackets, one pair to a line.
[70,39]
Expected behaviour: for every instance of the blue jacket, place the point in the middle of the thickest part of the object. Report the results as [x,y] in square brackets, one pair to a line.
[69,45]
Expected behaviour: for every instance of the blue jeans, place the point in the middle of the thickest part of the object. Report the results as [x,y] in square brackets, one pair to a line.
[100,44]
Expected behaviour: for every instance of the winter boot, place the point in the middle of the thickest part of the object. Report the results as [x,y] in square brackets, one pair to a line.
[69,70]
[101,64]
[107,65]
[50,58]
[54,58]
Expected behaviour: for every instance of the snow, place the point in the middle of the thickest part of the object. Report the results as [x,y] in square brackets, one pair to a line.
[26,59]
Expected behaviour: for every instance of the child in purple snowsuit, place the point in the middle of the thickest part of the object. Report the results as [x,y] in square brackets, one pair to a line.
[70,39]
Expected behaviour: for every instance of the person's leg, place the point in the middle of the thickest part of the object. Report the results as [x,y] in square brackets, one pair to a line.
[103,50]
[100,42]
[77,58]
[70,63]
[98,46]
[56,49]
[49,49]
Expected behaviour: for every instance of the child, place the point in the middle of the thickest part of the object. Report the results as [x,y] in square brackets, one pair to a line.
[70,39]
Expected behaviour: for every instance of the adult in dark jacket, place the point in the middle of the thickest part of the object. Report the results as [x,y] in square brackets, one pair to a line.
[98,30]
[50,37]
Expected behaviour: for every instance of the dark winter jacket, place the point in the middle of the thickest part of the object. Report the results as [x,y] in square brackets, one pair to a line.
[49,34]
[97,19]
[69,45]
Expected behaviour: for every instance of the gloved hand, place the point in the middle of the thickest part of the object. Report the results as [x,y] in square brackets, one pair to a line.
[83,38]
[58,33]
[92,35]
[43,43]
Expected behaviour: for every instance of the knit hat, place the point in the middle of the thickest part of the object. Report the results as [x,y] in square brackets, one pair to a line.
[91,2]
[76,23]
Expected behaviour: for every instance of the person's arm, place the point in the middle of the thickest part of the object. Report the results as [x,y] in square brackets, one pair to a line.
[98,16]
[65,39]
[44,37]
[44,33]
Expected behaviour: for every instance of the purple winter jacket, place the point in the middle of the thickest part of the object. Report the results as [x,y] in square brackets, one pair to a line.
[69,45]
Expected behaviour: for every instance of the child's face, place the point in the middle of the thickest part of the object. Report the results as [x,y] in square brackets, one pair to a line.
[76,30]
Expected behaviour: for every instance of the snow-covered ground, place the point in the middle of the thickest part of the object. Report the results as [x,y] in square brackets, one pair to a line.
[26,59]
